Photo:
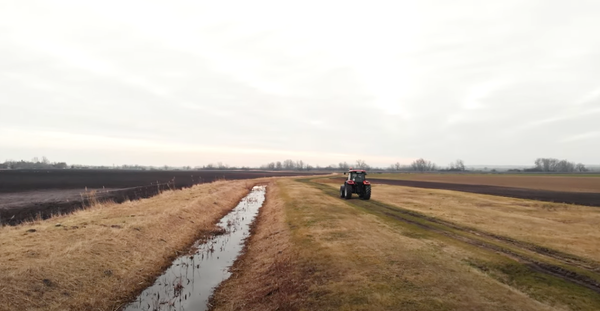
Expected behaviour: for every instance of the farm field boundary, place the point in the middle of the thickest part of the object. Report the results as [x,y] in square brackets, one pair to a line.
[526,266]
[325,253]
[579,198]
[101,257]
[26,195]
[584,183]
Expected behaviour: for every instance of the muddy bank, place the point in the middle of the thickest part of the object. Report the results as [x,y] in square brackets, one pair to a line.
[189,282]
[268,275]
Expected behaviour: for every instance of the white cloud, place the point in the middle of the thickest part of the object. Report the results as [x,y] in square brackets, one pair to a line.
[583,136]
[590,97]
[179,152]
[393,79]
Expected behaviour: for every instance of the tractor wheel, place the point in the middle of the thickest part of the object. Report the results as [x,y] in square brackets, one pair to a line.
[348,192]
[342,194]
[367,194]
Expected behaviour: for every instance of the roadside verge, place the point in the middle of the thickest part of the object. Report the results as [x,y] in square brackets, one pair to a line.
[99,258]
[266,277]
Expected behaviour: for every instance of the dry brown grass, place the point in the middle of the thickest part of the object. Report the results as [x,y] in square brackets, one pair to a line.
[351,260]
[570,228]
[551,182]
[266,276]
[98,258]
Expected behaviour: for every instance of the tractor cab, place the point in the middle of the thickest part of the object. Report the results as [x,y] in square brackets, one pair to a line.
[356,183]
[357,175]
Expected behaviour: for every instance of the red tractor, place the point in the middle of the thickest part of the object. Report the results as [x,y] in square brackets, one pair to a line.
[356,183]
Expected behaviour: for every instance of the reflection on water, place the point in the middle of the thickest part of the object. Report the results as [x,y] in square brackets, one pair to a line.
[190,280]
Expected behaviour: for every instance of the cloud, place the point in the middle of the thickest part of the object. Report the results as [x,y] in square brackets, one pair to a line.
[325,80]
[582,136]
[179,153]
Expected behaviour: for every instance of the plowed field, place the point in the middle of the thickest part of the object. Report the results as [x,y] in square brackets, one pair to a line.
[27,194]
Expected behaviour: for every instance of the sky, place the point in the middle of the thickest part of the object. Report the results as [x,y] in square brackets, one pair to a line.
[250,82]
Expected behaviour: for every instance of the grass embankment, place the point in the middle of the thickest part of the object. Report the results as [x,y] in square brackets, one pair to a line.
[554,277]
[569,228]
[99,258]
[267,276]
[336,255]
[568,183]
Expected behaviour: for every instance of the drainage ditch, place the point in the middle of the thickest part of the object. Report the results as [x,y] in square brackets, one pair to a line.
[190,281]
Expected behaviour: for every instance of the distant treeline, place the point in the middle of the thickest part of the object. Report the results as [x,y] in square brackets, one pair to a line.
[45,164]
[545,165]
[420,165]
[35,163]
[303,166]
[557,166]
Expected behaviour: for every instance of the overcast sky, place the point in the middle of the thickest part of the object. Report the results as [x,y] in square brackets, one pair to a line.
[249,82]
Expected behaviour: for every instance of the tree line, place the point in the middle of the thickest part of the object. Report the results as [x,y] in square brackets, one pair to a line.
[300,165]
[35,163]
[422,165]
[557,166]
[419,165]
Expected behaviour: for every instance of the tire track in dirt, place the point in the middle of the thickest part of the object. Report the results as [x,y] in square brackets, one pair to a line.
[563,257]
[511,248]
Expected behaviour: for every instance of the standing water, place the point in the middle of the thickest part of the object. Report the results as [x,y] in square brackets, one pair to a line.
[191,279]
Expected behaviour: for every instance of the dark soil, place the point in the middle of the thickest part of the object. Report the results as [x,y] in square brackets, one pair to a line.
[23,180]
[29,194]
[579,198]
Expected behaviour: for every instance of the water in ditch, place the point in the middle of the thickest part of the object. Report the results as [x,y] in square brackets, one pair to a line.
[191,279]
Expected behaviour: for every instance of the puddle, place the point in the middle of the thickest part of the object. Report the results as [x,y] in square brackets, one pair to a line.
[191,279]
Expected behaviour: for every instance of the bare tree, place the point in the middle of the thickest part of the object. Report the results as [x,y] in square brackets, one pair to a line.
[344,166]
[289,164]
[278,165]
[361,165]
[564,166]
[422,165]
[546,164]
[580,168]
[556,165]
[396,166]
[458,165]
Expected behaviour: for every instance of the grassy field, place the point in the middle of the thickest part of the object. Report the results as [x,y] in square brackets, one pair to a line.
[325,253]
[99,258]
[574,183]
[569,228]
[406,249]
[525,220]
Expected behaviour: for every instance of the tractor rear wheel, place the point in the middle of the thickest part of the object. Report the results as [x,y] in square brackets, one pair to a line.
[342,194]
[367,193]
[348,191]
